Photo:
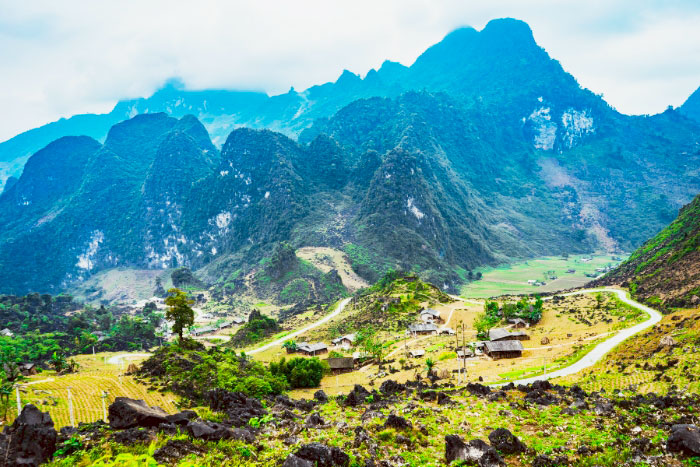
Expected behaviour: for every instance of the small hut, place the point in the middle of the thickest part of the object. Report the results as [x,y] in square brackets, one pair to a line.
[416,353]
[312,349]
[503,349]
[341,364]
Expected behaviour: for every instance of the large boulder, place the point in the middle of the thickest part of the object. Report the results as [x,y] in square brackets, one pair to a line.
[391,387]
[506,442]
[182,418]
[128,413]
[174,450]
[397,423]
[684,439]
[475,451]
[30,440]
[210,431]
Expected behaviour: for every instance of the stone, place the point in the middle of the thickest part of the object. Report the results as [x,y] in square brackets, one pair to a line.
[314,421]
[211,431]
[443,399]
[478,389]
[321,396]
[174,450]
[475,451]
[294,461]
[685,439]
[181,418]
[30,440]
[396,422]
[506,442]
[128,413]
[544,341]
[320,455]
[391,387]
[356,397]
[132,436]
[239,408]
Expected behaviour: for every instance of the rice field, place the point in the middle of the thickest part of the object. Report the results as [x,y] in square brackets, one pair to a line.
[49,392]
[513,278]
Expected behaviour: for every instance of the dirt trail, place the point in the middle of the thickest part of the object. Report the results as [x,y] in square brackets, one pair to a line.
[326,259]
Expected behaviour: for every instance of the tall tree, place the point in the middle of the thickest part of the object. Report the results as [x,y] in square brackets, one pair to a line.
[179,310]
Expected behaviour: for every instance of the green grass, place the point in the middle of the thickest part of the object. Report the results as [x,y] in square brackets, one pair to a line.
[512,278]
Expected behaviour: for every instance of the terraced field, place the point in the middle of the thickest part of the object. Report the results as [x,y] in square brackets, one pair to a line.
[49,392]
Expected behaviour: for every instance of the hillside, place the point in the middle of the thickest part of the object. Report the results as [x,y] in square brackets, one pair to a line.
[665,270]
[500,156]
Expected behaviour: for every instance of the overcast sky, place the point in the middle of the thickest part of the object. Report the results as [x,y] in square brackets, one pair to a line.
[59,58]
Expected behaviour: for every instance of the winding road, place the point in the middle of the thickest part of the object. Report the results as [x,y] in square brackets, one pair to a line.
[339,309]
[599,351]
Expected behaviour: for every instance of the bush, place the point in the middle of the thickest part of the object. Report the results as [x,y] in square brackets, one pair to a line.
[300,372]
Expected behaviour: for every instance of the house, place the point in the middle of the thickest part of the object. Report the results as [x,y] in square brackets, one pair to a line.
[532,281]
[341,364]
[570,271]
[7,333]
[237,320]
[519,323]
[312,349]
[226,324]
[503,349]
[502,334]
[465,353]
[422,328]
[204,330]
[446,332]
[360,357]
[28,369]
[430,316]
[416,353]
[345,342]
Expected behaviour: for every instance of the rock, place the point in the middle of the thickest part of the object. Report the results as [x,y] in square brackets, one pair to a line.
[541,397]
[132,436]
[239,408]
[478,389]
[211,431]
[356,397]
[443,399]
[396,422]
[667,341]
[174,450]
[579,404]
[314,421]
[294,461]
[475,451]
[361,436]
[30,440]
[181,418]
[544,341]
[290,440]
[321,396]
[684,438]
[401,439]
[391,387]
[320,455]
[604,408]
[128,413]
[506,442]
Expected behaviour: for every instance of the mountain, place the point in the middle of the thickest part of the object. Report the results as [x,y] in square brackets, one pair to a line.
[665,270]
[499,155]
[691,107]
[500,65]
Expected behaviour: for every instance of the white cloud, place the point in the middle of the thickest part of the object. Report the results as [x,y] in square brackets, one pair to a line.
[68,57]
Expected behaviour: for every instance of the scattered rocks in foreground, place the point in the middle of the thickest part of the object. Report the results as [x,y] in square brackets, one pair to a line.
[317,455]
[30,440]
[684,439]
[506,442]
[475,451]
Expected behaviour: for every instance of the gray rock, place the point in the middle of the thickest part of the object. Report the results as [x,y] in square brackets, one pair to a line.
[684,439]
[128,413]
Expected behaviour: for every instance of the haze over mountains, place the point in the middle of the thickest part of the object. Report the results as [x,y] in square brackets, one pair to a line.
[483,150]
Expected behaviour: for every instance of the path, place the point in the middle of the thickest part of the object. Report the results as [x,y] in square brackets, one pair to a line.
[318,323]
[117,359]
[599,351]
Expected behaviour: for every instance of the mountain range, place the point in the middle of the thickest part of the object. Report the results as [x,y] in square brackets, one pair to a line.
[483,150]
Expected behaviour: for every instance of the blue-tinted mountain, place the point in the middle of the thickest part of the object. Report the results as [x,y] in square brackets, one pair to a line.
[691,107]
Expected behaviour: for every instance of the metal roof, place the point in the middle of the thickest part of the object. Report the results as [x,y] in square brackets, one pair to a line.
[504,346]
[422,327]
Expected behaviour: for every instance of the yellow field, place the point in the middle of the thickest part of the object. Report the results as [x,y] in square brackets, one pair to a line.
[46,389]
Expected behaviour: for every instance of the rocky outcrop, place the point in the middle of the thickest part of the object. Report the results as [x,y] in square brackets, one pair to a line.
[29,441]
[239,408]
[684,439]
[506,442]
[356,397]
[475,452]
[128,413]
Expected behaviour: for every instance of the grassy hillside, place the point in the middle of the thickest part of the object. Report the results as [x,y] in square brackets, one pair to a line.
[665,271]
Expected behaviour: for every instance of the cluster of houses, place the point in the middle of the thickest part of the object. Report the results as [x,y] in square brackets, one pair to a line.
[536,283]
[214,328]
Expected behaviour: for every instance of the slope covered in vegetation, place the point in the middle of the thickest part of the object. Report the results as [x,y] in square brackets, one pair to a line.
[665,271]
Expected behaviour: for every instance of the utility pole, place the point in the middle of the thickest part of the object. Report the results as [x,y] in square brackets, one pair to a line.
[70,407]
[104,406]
[544,365]
[19,401]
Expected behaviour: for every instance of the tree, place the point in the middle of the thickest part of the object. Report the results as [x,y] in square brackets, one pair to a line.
[479,275]
[57,362]
[179,310]
[599,299]
[290,346]
[429,365]
[366,339]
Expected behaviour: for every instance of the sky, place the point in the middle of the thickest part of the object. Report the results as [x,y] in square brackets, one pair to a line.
[59,59]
